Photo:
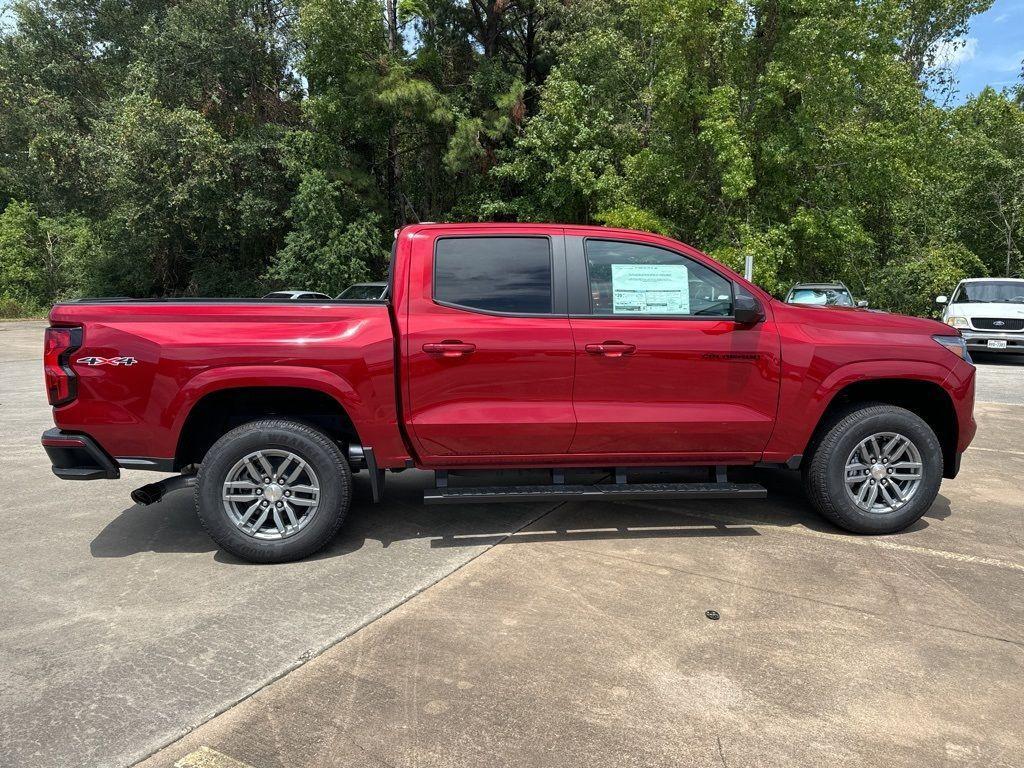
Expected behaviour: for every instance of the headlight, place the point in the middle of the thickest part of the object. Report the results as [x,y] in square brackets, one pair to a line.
[956,345]
[957,322]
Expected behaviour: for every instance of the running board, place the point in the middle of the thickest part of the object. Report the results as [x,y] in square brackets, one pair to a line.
[606,492]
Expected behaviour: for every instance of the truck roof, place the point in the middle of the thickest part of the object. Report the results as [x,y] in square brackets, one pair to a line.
[524,225]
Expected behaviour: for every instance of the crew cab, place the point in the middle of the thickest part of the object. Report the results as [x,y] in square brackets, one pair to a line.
[566,349]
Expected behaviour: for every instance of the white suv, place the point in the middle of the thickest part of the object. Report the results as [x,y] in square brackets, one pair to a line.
[989,313]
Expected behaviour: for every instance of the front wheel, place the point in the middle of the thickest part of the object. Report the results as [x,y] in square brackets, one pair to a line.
[875,470]
[272,491]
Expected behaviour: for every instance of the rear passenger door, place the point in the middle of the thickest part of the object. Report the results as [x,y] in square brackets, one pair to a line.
[488,348]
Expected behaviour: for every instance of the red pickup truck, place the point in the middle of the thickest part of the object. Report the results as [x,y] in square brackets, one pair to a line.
[507,346]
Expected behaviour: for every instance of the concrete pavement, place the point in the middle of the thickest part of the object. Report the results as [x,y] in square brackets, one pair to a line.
[580,640]
[121,627]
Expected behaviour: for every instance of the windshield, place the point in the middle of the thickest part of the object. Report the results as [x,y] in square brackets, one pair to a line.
[832,297]
[989,293]
[362,292]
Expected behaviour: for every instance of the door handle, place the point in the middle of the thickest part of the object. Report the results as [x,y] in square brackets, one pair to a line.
[611,349]
[449,348]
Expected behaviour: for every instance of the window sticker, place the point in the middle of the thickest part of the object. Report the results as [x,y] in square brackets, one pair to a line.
[650,289]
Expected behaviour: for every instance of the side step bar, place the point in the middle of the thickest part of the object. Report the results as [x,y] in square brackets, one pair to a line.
[606,492]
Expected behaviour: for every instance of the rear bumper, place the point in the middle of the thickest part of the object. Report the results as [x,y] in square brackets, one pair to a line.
[78,457]
[977,341]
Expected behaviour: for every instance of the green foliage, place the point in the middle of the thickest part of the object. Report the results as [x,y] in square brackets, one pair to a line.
[909,286]
[43,260]
[989,180]
[330,246]
[164,174]
[210,147]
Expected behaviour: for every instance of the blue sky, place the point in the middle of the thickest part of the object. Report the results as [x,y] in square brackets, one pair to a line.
[991,51]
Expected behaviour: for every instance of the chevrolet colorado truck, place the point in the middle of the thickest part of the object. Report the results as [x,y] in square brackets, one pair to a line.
[566,349]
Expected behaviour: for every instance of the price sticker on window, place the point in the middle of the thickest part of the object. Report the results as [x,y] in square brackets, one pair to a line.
[650,289]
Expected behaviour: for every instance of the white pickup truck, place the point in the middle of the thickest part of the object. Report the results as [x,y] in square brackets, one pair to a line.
[989,313]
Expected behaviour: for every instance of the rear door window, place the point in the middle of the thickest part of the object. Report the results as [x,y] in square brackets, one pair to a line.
[508,275]
[635,279]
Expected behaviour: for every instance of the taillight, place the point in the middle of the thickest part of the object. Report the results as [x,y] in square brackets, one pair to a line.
[61,382]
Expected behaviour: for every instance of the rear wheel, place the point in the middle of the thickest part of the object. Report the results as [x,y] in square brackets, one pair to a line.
[272,491]
[877,469]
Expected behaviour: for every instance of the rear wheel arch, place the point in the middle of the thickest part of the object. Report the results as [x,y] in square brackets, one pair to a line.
[218,412]
[922,397]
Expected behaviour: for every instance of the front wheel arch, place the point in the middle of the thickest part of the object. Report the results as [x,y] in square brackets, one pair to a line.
[924,398]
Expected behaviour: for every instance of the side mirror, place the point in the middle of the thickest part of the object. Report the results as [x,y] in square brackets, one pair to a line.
[748,310]
[941,299]
[862,303]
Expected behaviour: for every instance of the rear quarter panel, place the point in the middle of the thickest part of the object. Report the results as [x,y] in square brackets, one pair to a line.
[187,350]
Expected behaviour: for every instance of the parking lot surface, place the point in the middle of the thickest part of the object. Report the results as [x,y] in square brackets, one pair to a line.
[573,634]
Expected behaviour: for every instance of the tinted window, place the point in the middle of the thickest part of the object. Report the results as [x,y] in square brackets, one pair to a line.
[496,274]
[635,279]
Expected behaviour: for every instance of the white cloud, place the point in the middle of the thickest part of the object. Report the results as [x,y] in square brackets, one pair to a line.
[949,53]
[1008,62]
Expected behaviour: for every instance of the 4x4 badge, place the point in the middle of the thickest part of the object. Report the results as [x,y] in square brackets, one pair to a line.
[107,360]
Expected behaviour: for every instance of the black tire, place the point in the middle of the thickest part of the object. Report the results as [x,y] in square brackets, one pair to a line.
[824,474]
[313,447]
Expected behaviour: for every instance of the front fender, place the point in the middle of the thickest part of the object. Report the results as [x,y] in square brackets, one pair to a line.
[806,395]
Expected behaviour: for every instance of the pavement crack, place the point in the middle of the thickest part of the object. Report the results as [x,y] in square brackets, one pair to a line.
[721,753]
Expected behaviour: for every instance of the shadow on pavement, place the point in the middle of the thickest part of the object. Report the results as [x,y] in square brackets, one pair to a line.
[172,526]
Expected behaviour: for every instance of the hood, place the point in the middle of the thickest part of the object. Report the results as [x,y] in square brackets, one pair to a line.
[994,309]
[858,318]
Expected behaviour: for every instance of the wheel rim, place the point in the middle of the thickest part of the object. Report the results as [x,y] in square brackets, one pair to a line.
[884,472]
[271,494]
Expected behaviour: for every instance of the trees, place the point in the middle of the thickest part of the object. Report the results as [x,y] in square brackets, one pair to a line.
[213,147]
[43,259]
[990,180]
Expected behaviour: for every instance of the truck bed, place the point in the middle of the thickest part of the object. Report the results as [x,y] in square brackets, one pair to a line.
[173,353]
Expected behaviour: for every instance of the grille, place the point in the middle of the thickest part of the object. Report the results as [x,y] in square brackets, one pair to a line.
[1005,323]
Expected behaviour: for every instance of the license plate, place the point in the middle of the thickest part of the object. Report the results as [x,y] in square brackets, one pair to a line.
[996,344]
